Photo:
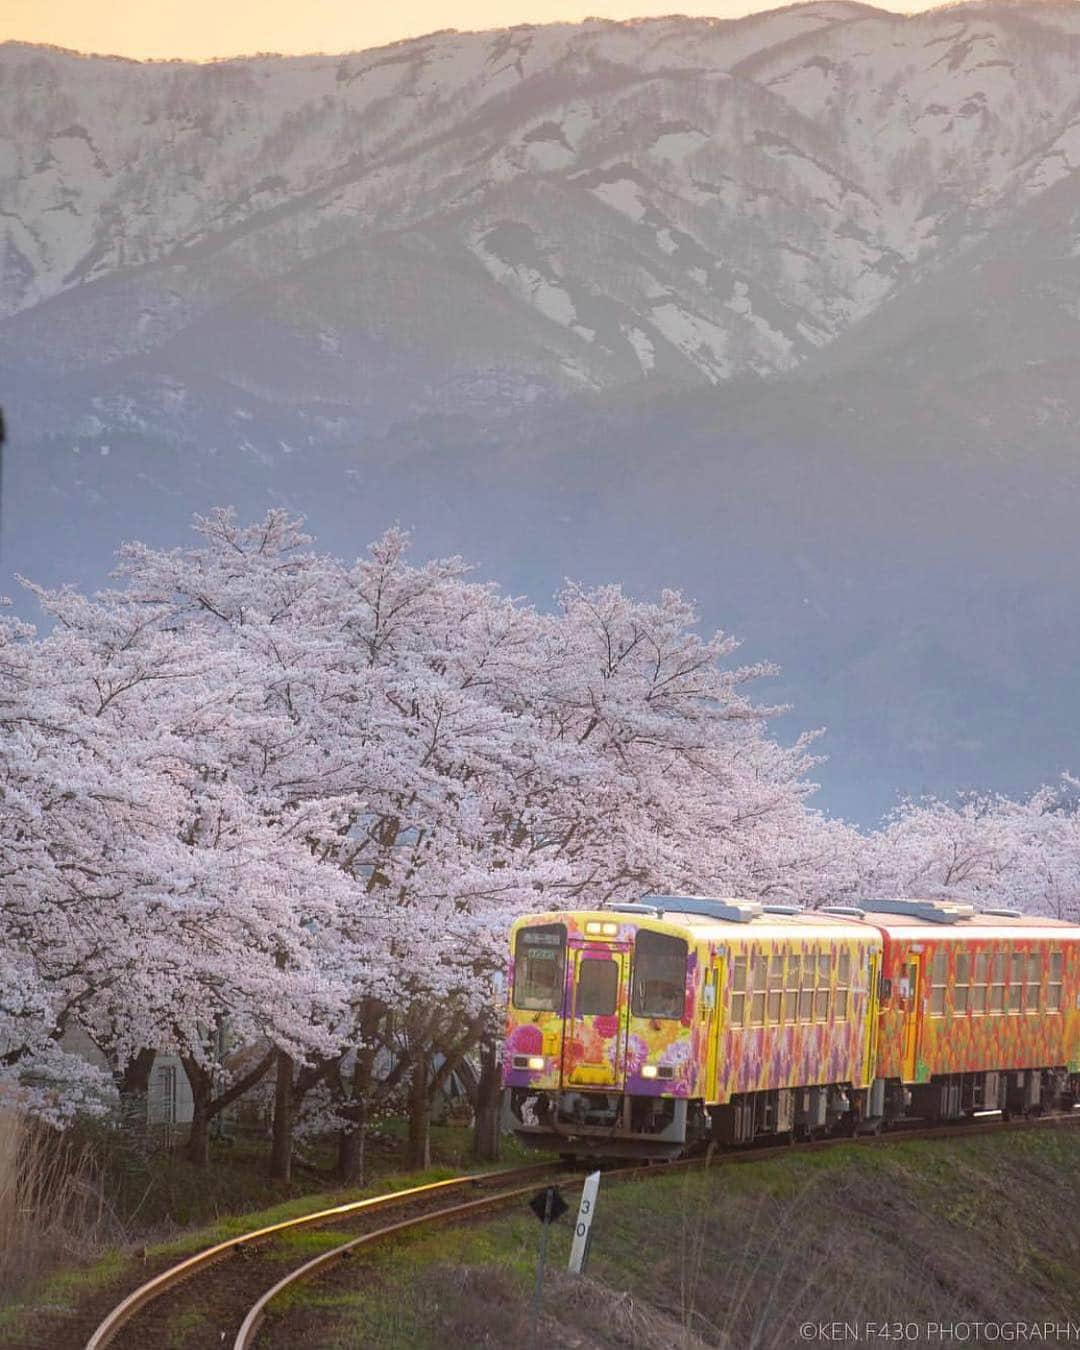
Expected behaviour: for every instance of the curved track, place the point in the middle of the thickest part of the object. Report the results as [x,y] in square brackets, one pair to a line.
[247,1314]
[144,1316]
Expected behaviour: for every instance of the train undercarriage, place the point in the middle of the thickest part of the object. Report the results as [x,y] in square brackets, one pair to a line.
[605,1124]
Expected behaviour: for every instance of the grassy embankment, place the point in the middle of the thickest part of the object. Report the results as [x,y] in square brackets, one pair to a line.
[945,1231]
[95,1219]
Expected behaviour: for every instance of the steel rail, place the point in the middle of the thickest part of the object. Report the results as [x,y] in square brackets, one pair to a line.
[123,1312]
[249,1328]
[256,1314]
[146,1293]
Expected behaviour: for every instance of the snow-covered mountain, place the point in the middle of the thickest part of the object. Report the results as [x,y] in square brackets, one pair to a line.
[474,221]
[784,309]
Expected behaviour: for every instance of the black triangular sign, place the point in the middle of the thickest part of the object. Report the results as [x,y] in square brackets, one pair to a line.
[540,1207]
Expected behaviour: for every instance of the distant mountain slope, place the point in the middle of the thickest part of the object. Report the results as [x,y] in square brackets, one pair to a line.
[784,309]
[481,220]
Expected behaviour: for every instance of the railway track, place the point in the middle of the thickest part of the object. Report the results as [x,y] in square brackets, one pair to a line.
[231,1273]
[235,1294]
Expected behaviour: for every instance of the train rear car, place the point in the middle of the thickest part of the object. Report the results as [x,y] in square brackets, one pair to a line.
[979,1011]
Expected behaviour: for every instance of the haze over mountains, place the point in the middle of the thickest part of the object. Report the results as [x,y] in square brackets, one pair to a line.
[783,310]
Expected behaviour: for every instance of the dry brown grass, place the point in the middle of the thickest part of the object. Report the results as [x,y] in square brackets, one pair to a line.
[53,1207]
[594,1316]
[482,1308]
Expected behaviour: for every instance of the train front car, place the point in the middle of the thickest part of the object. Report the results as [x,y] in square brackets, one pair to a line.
[600,1052]
[639,1030]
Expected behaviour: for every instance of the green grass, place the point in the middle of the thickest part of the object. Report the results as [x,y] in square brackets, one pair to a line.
[235,1177]
[64,1290]
[929,1223]
[236,1224]
[384,1304]
[188,1322]
[969,1205]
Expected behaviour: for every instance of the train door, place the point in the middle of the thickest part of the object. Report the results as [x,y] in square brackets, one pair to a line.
[873,1016]
[594,1040]
[909,1003]
[711,1016]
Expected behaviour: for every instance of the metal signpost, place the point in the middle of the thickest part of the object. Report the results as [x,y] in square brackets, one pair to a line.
[547,1205]
[579,1248]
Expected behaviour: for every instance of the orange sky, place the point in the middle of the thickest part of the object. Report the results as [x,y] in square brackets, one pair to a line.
[200,29]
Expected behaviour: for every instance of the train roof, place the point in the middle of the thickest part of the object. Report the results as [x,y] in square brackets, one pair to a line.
[726,916]
[756,926]
[944,920]
[980,927]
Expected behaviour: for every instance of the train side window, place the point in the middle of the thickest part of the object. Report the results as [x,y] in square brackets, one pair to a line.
[1053,987]
[997,983]
[843,981]
[823,997]
[1016,982]
[980,979]
[939,975]
[1034,982]
[806,989]
[738,992]
[960,988]
[791,989]
[776,988]
[757,998]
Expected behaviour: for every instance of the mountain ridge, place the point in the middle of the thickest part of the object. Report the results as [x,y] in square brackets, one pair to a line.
[782,309]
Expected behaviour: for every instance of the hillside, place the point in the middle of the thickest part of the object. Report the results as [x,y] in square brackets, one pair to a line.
[487,219]
[948,1233]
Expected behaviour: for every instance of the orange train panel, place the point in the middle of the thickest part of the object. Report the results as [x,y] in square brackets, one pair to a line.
[975,996]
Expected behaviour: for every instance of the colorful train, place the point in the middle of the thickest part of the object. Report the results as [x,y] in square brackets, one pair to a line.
[645,1029]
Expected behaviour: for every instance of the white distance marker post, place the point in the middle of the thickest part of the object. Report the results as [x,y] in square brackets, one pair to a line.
[579,1248]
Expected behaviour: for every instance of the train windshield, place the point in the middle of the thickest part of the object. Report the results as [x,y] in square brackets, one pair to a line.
[539,962]
[659,975]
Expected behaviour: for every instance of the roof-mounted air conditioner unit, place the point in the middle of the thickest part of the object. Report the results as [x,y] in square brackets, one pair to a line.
[730,910]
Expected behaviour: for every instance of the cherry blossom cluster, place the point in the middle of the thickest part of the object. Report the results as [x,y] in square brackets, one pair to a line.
[984,848]
[254,785]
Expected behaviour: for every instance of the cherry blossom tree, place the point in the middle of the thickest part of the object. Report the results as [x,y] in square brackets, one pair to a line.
[263,786]
[148,893]
[983,848]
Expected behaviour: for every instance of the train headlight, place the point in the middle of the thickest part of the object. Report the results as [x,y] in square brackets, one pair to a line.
[536,1061]
[648,1071]
[596,929]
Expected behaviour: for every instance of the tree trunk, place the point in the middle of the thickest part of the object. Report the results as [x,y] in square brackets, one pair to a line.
[350,1167]
[133,1086]
[354,1097]
[206,1106]
[419,1114]
[198,1144]
[281,1148]
[487,1128]
[135,1076]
